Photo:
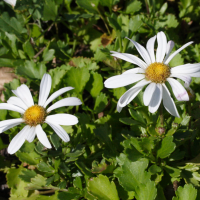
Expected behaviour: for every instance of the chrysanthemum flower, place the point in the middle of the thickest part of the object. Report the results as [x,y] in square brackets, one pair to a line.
[35,115]
[154,72]
[11,2]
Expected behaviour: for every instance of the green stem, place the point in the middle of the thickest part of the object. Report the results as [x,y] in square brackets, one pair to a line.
[161,115]
[104,20]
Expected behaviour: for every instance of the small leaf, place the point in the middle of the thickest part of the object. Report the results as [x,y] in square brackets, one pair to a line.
[27,175]
[31,70]
[89,5]
[50,10]
[167,147]
[100,103]
[28,49]
[186,193]
[77,182]
[44,167]
[133,6]
[77,78]
[95,84]
[48,55]
[55,141]
[101,188]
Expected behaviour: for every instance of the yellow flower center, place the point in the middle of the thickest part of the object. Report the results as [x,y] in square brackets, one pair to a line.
[157,72]
[34,115]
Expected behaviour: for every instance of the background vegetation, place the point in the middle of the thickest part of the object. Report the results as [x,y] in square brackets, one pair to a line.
[111,155]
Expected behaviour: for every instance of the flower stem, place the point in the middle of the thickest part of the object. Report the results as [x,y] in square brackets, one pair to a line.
[161,115]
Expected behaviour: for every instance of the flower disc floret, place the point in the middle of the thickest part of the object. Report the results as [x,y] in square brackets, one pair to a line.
[157,72]
[34,115]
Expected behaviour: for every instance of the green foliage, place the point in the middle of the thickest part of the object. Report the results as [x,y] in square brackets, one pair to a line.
[102,189]
[110,155]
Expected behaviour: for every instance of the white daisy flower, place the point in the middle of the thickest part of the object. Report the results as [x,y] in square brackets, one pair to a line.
[35,115]
[154,72]
[11,2]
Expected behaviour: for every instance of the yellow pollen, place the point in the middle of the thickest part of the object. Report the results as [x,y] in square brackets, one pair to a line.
[34,115]
[157,72]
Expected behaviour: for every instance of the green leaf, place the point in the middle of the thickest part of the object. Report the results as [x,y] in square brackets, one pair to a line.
[48,55]
[15,183]
[89,5]
[31,70]
[12,25]
[57,75]
[135,115]
[30,158]
[173,172]
[68,196]
[80,62]
[63,168]
[146,191]
[50,10]
[101,188]
[38,182]
[77,78]
[7,62]
[100,103]
[44,167]
[27,175]
[95,84]
[55,141]
[78,151]
[131,122]
[154,169]
[167,147]
[133,6]
[104,134]
[28,49]
[108,3]
[132,174]
[78,183]
[186,193]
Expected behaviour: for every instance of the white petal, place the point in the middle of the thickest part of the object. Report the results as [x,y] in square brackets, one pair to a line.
[119,108]
[176,52]
[186,69]
[170,46]
[18,141]
[5,128]
[45,87]
[59,130]
[6,106]
[147,96]
[142,51]
[130,58]
[129,95]
[62,119]
[196,74]
[24,94]
[156,99]
[122,80]
[70,101]
[42,137]
[17,102]
[162,47]
[9,122]
[56,94]
[187,79]
[11,2]
[178,90]
[134,71]
[31,134]
[169,103]
[150,48]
